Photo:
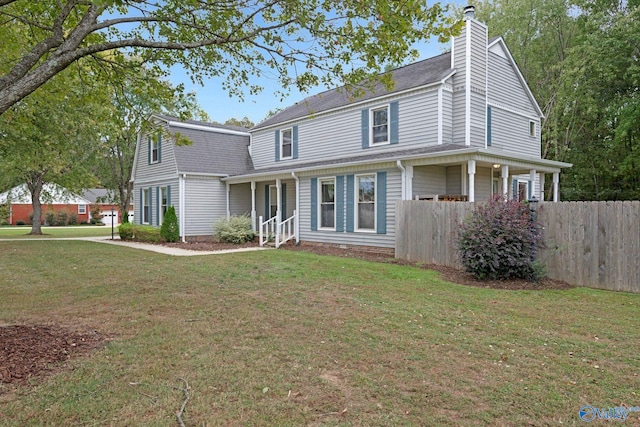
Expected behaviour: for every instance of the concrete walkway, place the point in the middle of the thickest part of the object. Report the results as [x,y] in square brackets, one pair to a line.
[167,250]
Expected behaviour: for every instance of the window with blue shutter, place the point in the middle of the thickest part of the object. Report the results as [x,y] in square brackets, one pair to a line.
[340,203]
[365,128]
[284,202]
[148,150]
[277,145]
[159,147]
[150,196]
[381,203]
[168,195]
[350,203]
[158,206]
[295,142]
[141,204]
[314,204]
[394,131]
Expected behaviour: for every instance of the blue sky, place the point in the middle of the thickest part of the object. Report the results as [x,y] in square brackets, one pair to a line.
[220,107]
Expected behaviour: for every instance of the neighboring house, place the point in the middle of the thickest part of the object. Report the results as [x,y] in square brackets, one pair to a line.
[53,198]
[109,211]
[460,126]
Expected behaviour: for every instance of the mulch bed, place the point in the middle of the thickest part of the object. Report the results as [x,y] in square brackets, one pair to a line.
[30,351]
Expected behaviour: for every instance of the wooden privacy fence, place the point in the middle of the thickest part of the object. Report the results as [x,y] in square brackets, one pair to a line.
[594,244]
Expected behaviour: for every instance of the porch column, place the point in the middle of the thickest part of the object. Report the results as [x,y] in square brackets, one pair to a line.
[253,205]
[532,178]
[278,200]
[556,179]
[541,175]
[471,170]
[505,181]
[408,188]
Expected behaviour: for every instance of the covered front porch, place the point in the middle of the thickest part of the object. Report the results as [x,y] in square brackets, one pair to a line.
[273,206]
[477,176]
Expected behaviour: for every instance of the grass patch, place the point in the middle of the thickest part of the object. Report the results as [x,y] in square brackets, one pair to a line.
[292,338]
[21,232]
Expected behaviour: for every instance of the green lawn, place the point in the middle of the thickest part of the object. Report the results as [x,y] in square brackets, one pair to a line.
[22,232]
[291,338]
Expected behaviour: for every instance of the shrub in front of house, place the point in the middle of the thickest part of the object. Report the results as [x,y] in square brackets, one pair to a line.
[49,218]
[147,234]
[62,218]
[126,231]
[169,230]
[500,240]
[73,218]
[235,229]
[20,223]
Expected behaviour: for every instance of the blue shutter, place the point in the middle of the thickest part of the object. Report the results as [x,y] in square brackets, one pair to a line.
[150,206]
[168,195]
[381,203]
[159,147]
[314,204]
[283,216]
[294,143]
[159,201]
[141,204]
[515,189]
[277,144]
[488,126]
[394,134]
[365,128]
[350,204]
[267,211]
[148,150]
[340,203]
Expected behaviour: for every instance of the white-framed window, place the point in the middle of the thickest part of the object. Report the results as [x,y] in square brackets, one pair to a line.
[286,144]
[164,201]
[366,202]
[532,128]
[379,125]
[155,148]
[523,190]
[82,209]
[327,203]
[146,201]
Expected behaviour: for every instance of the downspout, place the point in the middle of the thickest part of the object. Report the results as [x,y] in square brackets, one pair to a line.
[403,180]
[181,185]
[228,200]
[297,220]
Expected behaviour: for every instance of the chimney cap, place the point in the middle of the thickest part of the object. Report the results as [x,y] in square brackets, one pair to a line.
[469,11]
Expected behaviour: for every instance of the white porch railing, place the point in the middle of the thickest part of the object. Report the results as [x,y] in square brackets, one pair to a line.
[286,230]
[280,232]
[267,229]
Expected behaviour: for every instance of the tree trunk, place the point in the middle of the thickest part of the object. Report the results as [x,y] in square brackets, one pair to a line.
[36,189]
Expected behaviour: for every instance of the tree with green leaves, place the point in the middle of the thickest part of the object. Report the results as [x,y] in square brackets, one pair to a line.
[135,95]
[52,137]
[302,43]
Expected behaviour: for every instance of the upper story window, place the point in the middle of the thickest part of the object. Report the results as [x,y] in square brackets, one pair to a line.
[155,145]
[532,128]
[380,125]
[366,208]
[286,144]
[328,203]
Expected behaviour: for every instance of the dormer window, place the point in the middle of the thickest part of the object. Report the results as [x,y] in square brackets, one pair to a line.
[286,144]
[155,145]
[380,125]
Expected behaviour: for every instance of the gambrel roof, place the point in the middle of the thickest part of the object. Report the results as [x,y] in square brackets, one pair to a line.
[421,73]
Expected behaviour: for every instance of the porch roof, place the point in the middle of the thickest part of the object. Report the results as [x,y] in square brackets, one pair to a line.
[443,155]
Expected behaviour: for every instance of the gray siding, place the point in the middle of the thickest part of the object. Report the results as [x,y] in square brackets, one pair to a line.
[429,180]
[153,186]
[205,201]
[482,184]
[510,132]
[167,165]
[447,117]
[394,190]
[240,199]
[454,180]
[505,87]
[324,136]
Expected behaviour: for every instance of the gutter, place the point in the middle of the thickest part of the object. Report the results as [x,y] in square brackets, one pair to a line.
[403,180]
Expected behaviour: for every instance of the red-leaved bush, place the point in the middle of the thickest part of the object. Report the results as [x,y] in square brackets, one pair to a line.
[499,241]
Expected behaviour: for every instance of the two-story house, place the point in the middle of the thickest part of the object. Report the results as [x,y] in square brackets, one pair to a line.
[459,126]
